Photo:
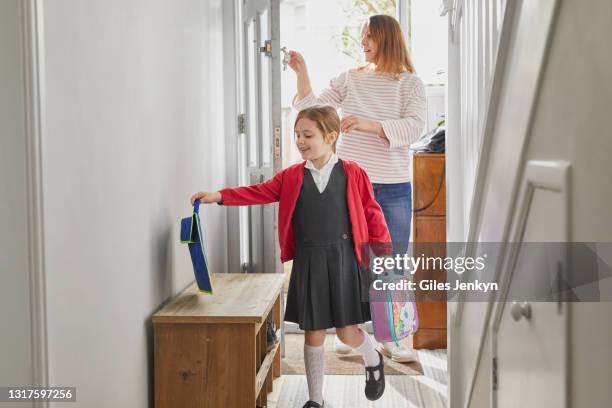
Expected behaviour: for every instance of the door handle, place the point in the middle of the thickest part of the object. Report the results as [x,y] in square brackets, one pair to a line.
[518,310]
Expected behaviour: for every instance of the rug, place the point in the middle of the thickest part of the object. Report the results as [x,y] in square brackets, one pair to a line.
[339,364]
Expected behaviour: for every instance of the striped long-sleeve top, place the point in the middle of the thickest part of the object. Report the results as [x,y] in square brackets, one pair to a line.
[397,103]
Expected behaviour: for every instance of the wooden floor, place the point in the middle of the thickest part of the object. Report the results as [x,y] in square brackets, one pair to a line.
[346,391]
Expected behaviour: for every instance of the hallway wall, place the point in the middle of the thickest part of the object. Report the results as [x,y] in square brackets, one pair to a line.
[134,125]
[15,346]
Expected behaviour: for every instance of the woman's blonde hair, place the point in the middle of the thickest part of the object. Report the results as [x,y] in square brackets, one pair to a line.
[392,56]
[325,117]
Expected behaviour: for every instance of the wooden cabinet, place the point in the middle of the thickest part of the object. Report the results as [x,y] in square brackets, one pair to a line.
[428,237]
[211,351]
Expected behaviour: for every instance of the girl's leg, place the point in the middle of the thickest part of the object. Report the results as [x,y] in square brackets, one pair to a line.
[359,340]
[314,362]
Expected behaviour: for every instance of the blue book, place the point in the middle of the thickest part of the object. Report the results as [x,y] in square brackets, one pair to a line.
[191,234]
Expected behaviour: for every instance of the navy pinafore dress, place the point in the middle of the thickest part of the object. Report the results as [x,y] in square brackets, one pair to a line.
[325,289]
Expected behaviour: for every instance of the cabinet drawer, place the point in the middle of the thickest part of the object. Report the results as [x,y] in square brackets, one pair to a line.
[429,184]
[429,229]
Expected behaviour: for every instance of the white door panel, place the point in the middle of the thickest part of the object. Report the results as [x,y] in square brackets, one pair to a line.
[530,338]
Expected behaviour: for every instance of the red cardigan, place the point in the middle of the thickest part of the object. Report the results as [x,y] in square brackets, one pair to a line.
[367,219]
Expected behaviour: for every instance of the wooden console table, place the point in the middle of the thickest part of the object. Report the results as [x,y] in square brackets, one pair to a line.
[210,351]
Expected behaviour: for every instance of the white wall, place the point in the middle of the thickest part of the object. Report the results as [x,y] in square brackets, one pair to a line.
[474,28]
[134,125]
[15,347]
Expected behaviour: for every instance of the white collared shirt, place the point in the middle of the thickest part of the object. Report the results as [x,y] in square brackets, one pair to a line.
[321,176]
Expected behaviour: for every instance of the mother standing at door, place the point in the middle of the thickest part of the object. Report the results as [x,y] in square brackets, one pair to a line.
[383,112]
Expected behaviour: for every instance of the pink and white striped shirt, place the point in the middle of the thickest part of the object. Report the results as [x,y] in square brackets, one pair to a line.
[398,104]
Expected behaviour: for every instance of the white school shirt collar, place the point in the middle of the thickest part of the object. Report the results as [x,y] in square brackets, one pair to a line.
[321,176]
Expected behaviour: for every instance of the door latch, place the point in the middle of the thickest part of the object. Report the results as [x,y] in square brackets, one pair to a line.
[267,48]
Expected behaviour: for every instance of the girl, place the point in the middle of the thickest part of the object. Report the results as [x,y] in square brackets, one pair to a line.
[383,104]
[326,212]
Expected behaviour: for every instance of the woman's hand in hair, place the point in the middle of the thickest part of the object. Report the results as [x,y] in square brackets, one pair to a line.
[206,198]
[297,63]
[355,123]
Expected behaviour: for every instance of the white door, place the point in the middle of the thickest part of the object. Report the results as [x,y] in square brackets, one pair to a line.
[261,124]
[530,338]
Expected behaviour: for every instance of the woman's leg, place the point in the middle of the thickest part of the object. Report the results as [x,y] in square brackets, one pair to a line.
[314,363]
[395,200]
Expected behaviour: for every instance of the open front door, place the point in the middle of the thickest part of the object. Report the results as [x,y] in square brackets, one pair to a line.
[261,124]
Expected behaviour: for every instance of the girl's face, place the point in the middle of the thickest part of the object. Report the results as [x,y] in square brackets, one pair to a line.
[368,45]
[310,140]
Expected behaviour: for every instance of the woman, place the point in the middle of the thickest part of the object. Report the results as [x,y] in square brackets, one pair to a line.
[383,112]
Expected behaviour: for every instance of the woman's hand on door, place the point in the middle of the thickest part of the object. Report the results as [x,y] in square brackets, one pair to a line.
[297,63]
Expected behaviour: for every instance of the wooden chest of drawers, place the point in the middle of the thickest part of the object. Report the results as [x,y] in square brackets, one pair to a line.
[429,227]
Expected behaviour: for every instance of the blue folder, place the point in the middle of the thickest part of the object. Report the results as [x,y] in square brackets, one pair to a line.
[191,234]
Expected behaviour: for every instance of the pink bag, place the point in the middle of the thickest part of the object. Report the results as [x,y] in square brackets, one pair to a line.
[392,320]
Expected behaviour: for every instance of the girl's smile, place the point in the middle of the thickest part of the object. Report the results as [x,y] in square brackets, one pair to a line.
[311,142]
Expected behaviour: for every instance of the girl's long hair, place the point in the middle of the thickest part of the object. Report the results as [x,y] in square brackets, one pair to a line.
[326,118]
[392,57]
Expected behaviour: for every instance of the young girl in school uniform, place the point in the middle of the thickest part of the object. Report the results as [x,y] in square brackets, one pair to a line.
[326,212]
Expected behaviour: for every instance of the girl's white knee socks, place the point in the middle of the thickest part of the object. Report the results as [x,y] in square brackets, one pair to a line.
[368,351]
[314,362]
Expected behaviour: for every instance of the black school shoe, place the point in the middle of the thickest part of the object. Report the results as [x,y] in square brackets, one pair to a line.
[271,338]
[374,388]
[312,404]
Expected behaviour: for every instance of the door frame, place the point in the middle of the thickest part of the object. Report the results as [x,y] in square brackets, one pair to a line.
[269,243]
[34,78]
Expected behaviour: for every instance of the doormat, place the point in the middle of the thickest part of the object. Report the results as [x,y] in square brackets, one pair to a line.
[339,364]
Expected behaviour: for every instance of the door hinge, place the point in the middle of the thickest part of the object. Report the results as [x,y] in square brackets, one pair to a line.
[277,142]
[267,48]
[241,123]
[494,374]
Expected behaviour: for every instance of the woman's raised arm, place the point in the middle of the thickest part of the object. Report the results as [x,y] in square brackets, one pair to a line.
[298,65]
[305,98]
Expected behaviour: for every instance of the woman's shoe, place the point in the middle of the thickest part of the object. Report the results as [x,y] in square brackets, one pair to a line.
[374,388]
[397,353]
[312,404]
